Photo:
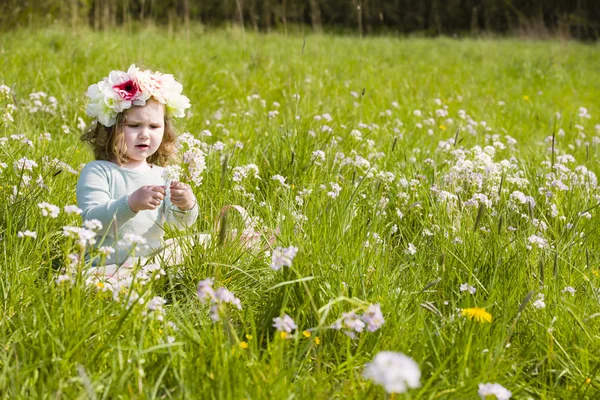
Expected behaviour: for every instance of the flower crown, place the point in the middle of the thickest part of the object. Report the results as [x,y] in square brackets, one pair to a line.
[120,91]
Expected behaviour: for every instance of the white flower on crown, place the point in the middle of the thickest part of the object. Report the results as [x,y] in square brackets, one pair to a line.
[120,91]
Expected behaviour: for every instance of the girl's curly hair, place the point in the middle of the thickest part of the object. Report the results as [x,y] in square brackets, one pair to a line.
[108,143]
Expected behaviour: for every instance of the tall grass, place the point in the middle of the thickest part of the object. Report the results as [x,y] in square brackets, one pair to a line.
[75,341]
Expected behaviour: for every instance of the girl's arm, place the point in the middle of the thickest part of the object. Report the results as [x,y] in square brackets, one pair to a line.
[93,197]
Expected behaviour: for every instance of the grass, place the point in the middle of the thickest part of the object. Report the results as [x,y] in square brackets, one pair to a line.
[75,341]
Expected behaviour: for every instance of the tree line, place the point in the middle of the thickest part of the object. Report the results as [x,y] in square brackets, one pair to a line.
[578,19]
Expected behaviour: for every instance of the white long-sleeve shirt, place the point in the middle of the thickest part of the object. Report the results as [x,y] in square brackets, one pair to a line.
[103,191]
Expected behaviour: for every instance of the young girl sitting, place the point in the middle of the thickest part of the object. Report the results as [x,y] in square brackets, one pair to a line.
[132,139]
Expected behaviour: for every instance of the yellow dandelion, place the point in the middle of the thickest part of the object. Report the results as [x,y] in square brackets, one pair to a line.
[317,340]
[283,334]
[292,186]
[306,334]
[479,314]
[243,345]
[525,97]
[249,337]
[443,127]
[588,381]
[100,285]
[160,331]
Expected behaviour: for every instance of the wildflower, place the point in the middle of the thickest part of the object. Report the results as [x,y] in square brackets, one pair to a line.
[4,91]
[63,278]
[217,298]
[285,324]
[132,240]
[539,302]
[27,233]
[49,209]
[479,314]
[281,180]
[106,250]
[466,287]
[306,334]
[373,317]
[283,257]
[352,322]
[396,372]
[205,290]
[583,113]
[494,389]
[225,296]
[569,289]
[73,210]
[243,345]
[172,172]
[93,224]
[335,190]
[317,340]
[155,306]
[412,250]
[318,157]
[538,241]
[24,164]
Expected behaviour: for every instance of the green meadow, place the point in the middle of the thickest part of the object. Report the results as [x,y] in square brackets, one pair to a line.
[432,177]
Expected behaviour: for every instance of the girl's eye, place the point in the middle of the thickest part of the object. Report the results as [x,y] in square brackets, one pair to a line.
[133,125]
[154,126]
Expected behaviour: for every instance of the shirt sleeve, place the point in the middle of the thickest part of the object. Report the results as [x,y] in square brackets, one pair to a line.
[175,216]
[93,197]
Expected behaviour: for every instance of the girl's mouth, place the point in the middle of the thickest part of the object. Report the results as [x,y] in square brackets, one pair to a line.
[142,146]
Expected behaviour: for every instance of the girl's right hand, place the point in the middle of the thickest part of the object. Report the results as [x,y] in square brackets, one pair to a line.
[146,198]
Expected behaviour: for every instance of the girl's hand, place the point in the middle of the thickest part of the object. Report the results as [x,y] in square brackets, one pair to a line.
[146,198]
[182,195]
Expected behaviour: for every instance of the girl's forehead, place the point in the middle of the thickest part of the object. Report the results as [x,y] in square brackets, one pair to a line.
[152,110]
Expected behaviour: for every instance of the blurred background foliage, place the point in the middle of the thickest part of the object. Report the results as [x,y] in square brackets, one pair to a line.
[579,19]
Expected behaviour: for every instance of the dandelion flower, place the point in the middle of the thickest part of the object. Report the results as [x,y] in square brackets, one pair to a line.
[396,372]
[479,314]
[494,389]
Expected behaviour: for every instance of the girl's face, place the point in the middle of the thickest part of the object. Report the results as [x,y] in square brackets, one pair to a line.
[143,132]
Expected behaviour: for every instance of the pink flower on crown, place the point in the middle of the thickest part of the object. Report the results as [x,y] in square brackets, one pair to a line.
[127,90]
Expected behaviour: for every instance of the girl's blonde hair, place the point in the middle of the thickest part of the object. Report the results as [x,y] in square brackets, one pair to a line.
[108,143]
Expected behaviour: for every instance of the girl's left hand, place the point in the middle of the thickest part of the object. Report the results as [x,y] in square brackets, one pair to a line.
[182,195]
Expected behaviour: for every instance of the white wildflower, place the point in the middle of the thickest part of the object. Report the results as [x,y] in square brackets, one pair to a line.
[396,372]
[49,209]
[285,324]
[26,233]
[71,209]
[283,257]
[494,389]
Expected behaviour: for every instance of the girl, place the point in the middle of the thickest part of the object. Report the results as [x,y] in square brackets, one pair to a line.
[125,188]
